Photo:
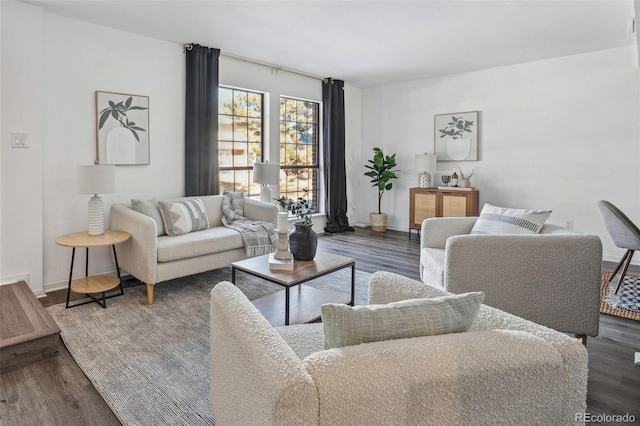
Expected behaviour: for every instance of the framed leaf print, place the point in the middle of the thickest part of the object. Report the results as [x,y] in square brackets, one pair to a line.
[122,128]
[456,136]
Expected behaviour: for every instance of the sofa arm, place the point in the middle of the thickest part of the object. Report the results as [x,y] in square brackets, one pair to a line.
[256,378]
[561,273]
[260,210]
[139,254]
[436,230]
[442,380]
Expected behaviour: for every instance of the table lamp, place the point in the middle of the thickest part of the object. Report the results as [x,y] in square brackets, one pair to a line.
[266,174]
[96,180]
[426,163]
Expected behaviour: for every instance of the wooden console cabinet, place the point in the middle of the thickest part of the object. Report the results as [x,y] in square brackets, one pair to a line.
[432,202]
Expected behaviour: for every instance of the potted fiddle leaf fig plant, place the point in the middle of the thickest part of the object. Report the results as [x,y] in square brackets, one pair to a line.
[381,171]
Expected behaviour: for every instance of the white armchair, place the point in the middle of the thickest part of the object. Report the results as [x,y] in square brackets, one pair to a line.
[505,370]
[551,278]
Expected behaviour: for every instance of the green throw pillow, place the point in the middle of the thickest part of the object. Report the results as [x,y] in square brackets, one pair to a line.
[149,208]
[346,325]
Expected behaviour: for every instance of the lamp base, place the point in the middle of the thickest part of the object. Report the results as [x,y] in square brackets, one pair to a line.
[424,180]
[265,194]
[96,216]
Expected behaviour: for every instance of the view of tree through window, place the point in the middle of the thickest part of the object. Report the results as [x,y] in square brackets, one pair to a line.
[240,132]
[299,133]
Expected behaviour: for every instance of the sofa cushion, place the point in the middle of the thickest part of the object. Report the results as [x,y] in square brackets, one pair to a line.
[149,208]
[181,217]
[200,243]
[500,220]
[351,325]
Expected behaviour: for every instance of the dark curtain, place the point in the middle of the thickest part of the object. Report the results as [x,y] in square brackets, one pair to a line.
[201,122]
[334,156]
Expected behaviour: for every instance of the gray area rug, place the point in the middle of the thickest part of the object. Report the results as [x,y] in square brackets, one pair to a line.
[151,363]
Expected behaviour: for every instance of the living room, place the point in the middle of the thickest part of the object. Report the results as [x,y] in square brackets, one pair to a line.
[549,131]
[556,133]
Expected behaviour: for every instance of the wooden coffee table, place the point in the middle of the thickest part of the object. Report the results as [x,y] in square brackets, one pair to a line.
[303,305]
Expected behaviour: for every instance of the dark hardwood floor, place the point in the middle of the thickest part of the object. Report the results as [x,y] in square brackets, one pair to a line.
[56,392]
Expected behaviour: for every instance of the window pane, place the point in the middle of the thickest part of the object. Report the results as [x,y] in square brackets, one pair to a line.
[240,129]
[240,104]
[225,154]
[226,181]
[225,101]
[225,127]
[240,139]
[255,130]
[254,105]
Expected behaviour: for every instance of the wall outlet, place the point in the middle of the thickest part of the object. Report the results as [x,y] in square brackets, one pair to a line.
[568,224]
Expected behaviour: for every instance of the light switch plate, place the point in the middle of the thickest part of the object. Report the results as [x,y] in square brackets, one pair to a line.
[19,140]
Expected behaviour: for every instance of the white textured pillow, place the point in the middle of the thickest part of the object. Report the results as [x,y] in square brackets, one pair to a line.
[500,220]
[346,325]
[182,217]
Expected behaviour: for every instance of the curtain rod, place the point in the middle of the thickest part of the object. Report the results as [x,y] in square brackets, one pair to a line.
[276,68]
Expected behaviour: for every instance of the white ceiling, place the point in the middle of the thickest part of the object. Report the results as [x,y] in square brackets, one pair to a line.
[368,43]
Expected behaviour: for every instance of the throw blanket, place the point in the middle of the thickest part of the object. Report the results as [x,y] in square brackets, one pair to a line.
[258,237]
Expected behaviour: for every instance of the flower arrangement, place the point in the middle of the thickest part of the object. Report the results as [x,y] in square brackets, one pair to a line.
[300,208]
[462,175]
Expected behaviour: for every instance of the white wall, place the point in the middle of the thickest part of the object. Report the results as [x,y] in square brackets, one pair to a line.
[22,204]
[558,134]
[51,68]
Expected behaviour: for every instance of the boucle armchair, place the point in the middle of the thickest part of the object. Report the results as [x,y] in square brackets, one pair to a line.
[504,371]
[551,278]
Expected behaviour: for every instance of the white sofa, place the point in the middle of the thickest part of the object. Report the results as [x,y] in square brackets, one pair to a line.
[504,371]
[153,259]
[551,278]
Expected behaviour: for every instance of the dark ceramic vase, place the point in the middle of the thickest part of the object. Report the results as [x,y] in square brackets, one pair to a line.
[303,242]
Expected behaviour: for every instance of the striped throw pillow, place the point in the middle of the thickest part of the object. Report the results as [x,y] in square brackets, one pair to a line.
[500,220]
[182,217]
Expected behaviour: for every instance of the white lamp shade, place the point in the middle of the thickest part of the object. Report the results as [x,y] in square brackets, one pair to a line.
[96,179]
[265,173]
[426,162]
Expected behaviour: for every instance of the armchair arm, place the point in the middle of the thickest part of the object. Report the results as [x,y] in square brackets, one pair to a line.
[260,210]
[436,230]
[561,273]
[139,254]
[441,380]
[387,287]
[256,378]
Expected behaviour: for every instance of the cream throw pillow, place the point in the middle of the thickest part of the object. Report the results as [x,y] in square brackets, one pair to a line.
[182,217]
[346,325]
[149,208]
[500,220]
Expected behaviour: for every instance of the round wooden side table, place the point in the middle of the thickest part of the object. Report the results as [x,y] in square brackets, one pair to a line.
[95,284]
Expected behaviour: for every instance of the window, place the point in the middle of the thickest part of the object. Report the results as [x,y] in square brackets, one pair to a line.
[240,138]
[299,143]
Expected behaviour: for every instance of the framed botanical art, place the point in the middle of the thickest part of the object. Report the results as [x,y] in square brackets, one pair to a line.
[122,128]
[456,136]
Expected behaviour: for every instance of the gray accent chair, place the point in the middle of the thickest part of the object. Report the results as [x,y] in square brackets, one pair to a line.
[624,233]
[552,278]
